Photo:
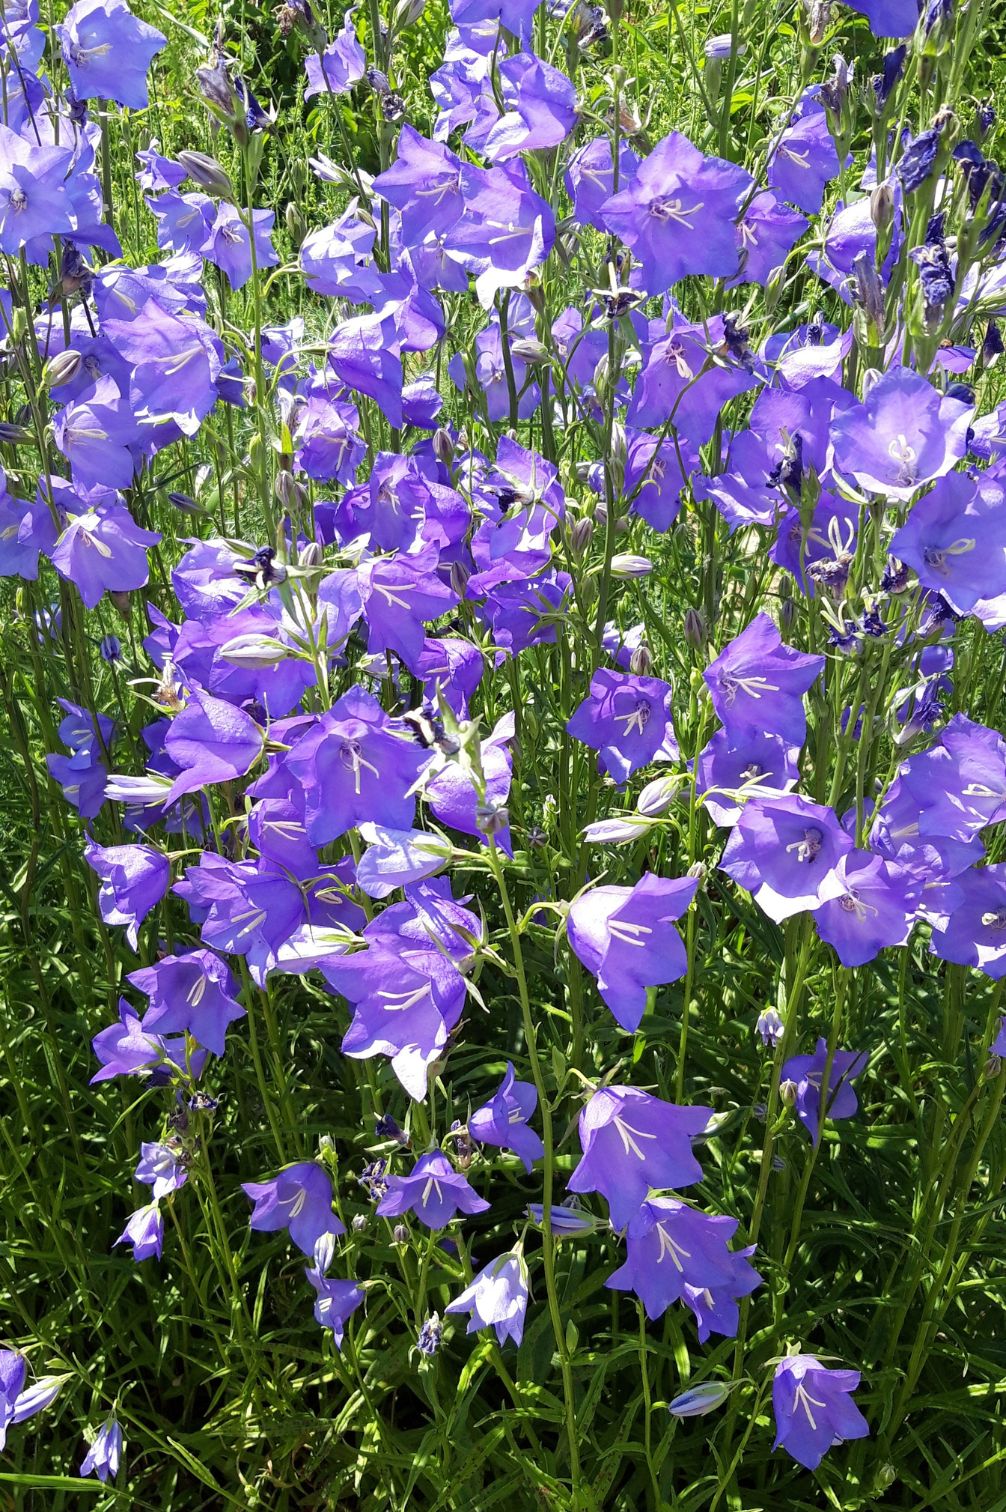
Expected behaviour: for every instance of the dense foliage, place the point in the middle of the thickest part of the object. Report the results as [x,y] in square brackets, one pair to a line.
[502,580]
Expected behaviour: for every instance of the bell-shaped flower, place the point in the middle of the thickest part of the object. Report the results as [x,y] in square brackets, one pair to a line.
[955,540]
[671,1246]
[807,1073]
[105,1453]
[356,764]
[679,214]
[757,683]
[625,937]
[335,1302]
[496,1298]
[813,1408]
[633,1143]
[144,1232]
[783,851]
[134,879]
[299,1199]
[195,992]
[902,436]
[211,741]
[975,932]
[107,51]
[627,720]
[433,1190]
[503,1121]
[868,903]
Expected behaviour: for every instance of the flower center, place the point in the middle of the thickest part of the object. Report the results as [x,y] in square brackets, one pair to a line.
[809,848]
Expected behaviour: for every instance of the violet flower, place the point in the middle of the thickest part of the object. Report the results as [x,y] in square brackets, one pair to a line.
[105,1453]
[107,51]
[195,992]
[433,1190]
[503,1121]
[633,1143]
[813,1410]
[806,1072]
[783,851]
[624,936]
[627,720]
[134,879]
[679,214]
[144,1231]
[757,684]
[299,1199]
[671,1246]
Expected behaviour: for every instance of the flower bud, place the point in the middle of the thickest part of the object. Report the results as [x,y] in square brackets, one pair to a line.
[625,565]
[443,446]
[882,206]
[787,615]
[110,649]
[580,535]
[406,13]
[324,1252]
[641,661]
[254,650]
[699,1400]
[63,368]
[492,817]
[529,349]
[208,173]
[296,225]
[310,555]
[399,1234]
[657,797]
[459,575]
[289,492]
[184,503]
[787,1092]
[360,1223]
[695,629]
[697,871]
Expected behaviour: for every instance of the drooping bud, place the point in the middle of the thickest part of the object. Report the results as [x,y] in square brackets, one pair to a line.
[208,173]
[657,796]
[695,631]
[625,565]
[63,368]
[641,661]
[530,350]
[443,446]
[580,535]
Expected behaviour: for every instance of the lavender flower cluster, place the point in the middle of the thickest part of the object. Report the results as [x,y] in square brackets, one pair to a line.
[335,737]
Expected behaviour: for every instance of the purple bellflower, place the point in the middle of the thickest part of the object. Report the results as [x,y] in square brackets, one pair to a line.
[625,937]
[503,1121]
[679,214]
[627,720]
[904,434]
[868,904]
[105,1453]
[144,1231]
[955,540]
[335,1302]
[433,1190]
[672,1246]
[783,851]
[299,1199]
[807,1073]
[134,879]
[757,684]
[107,51]
[975,932]
[195,992]
[633,1143]
[813,1408]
